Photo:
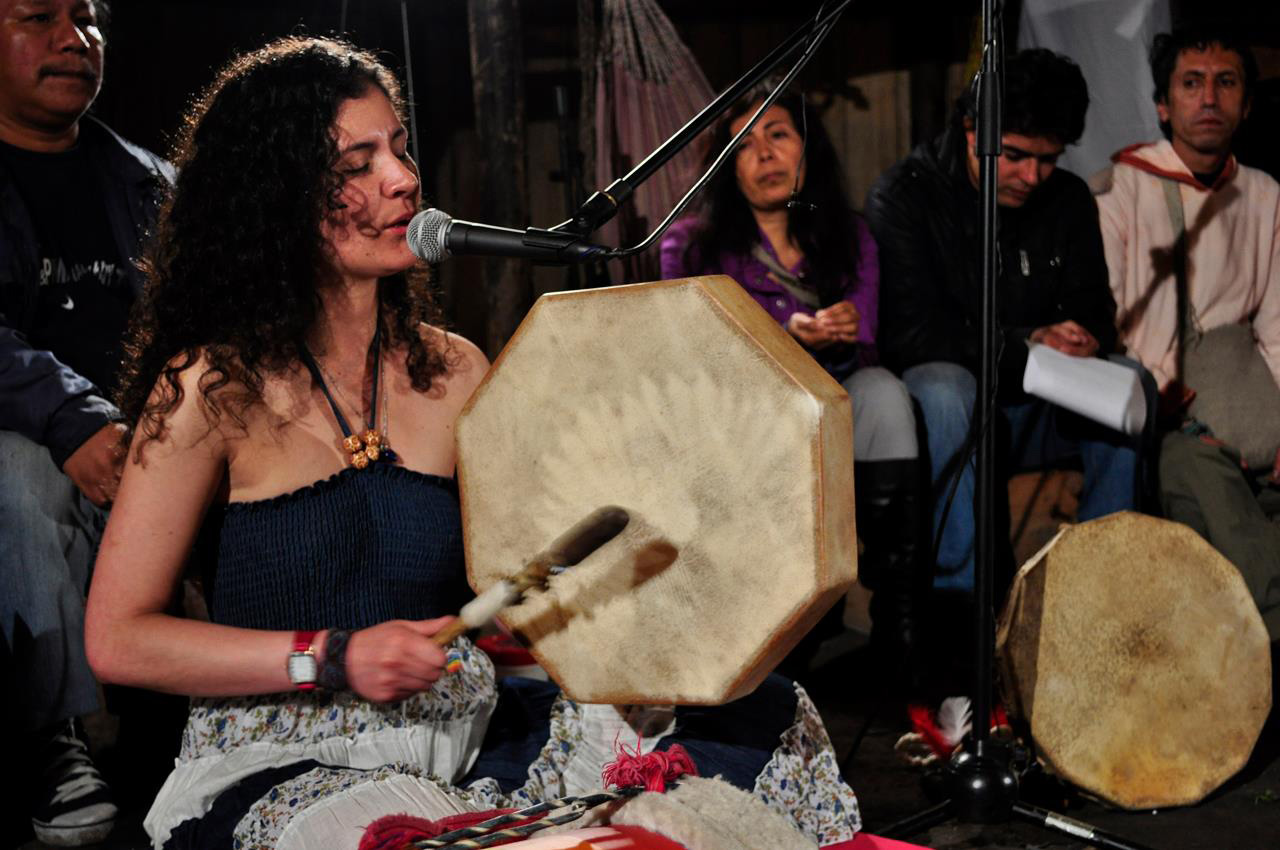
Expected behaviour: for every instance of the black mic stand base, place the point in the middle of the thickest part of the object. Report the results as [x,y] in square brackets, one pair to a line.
[984,789]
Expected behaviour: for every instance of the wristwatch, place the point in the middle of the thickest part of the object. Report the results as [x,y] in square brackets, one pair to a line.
[302,662]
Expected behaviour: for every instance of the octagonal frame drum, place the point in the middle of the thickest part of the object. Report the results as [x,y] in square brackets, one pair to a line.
[1139,660]
[686,404]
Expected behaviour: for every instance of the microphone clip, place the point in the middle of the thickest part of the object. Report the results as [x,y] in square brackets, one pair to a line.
[794,203]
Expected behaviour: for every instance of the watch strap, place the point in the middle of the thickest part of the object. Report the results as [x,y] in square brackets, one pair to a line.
[302,641]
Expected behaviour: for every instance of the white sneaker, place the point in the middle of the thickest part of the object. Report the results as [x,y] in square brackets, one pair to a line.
[75,808]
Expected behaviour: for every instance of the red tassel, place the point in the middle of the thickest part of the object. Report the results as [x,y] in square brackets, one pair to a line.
[922,722]
[652,770]
[394,832]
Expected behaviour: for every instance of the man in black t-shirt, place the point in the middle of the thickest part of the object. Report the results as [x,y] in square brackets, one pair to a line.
[75,200]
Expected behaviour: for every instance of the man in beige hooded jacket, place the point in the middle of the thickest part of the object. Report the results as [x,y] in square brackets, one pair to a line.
[1231,217]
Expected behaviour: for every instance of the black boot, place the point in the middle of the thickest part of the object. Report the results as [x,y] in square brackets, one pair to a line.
[894,563]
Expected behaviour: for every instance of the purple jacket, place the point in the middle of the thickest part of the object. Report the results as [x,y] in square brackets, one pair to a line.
[863,290]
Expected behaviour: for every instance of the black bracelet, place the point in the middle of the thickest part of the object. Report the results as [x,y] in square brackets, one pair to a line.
[333,672]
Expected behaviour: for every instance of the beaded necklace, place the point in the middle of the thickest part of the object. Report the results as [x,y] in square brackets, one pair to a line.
[372,445]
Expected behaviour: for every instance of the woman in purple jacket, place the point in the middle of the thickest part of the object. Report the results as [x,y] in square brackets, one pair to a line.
[779,224]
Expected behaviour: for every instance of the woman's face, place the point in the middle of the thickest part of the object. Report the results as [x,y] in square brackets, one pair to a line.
[379,190]
[770,159]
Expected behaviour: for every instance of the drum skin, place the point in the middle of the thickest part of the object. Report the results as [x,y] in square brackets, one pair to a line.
[686,404]
[1136,654]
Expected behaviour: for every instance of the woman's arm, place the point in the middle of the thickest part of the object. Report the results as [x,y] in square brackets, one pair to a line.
[167,486]
[166,489]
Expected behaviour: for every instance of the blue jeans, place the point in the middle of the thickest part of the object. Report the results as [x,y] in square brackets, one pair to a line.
[1030,434]
[49,535]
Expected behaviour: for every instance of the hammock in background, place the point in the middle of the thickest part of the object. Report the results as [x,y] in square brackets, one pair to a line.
[648,85]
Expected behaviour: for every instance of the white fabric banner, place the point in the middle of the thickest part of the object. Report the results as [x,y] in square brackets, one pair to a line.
[1109,40]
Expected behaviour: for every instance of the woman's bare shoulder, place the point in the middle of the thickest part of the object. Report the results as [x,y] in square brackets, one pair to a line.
[197,402]
[466,365]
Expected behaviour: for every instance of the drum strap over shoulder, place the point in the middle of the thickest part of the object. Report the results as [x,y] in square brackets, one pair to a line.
[779,275]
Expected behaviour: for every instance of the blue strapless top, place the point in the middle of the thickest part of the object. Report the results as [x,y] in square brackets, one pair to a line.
[357,549]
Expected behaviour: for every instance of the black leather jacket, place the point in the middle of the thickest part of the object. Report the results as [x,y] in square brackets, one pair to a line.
[926,218]
[41,398]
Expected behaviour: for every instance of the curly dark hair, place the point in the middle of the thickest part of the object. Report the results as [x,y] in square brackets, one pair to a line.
[1168,46]
[822,222]
[1044,95]
[237,261]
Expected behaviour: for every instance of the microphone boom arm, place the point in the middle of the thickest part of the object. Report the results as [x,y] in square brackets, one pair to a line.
[603,205]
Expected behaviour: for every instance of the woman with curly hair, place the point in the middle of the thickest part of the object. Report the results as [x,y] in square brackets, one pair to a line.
[282,339]
[294,441]
[779,223]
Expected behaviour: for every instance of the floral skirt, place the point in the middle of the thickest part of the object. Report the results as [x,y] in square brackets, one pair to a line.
[313,770]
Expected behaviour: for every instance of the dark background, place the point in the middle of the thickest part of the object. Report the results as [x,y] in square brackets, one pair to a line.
[160,54]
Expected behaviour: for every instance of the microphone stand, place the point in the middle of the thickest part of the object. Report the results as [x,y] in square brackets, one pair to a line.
[569,173]
[981,784]
[603,205]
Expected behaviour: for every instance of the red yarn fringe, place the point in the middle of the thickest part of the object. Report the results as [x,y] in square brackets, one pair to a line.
[394,832]
[652,771]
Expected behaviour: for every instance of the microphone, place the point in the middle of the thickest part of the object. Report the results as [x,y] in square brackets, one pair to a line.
[434,235]
[796,204]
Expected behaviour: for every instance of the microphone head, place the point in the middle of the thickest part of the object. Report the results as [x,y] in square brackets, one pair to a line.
[426,235]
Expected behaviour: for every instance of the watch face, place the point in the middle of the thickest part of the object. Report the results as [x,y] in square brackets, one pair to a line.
[302,668]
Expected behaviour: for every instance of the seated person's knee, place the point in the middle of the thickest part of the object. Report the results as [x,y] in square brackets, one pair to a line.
[945,389]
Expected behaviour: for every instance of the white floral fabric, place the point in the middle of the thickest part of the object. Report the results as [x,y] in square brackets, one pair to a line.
[329,806]
[228,740]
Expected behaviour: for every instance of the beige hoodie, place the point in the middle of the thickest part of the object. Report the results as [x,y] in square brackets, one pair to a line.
[1233,265]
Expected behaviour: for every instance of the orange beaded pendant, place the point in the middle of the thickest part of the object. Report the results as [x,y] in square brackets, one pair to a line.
[371,446]
[366,448]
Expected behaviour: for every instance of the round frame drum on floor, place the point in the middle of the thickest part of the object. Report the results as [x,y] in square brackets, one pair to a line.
[1137,656]
[684,403]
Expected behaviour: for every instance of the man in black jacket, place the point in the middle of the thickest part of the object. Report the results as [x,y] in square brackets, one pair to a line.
[1052,289]
[75,200]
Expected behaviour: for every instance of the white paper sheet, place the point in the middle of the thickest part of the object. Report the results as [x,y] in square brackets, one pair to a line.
[1103,391]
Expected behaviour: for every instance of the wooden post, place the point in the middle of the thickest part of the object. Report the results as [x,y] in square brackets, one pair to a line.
[497,84]
[587,38]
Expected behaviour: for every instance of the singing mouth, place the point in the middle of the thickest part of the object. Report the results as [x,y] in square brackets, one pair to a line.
[75,73]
